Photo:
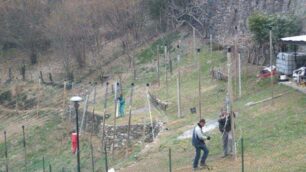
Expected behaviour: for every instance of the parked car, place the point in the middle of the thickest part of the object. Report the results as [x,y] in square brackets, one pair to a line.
[299,74]
[266,72]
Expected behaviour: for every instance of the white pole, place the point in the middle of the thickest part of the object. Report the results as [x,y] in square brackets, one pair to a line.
[239,63]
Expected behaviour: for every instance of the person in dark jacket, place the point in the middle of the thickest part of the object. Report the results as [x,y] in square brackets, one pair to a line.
[198,141]
[225,129]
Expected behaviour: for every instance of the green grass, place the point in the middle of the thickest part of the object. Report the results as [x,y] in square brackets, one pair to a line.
[274,134]
[149,53]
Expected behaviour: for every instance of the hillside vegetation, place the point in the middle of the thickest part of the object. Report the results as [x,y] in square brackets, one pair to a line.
[273,132]
[53,50]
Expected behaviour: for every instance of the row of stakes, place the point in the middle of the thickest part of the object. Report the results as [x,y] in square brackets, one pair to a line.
[24,145]
[106,159]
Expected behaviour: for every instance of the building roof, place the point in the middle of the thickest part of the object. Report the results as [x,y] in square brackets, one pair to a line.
[301,40]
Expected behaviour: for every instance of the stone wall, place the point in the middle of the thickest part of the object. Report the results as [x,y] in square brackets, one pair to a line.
[139,134]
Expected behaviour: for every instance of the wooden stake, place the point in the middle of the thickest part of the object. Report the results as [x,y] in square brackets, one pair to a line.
[193,44]
[115,118]
[43,161]
[170,160]
[158,71]
[170,63]
[242,155]
[5,153]
[106,159]
[150,112]
[104,115]
[38,97]
[92,158]
[235,63]
[130,114]
[239,63]
[166,72]
[230,100]
[64,98]
[50,168]
[271,63]
[210,45]
[179,94]
[143,131]
[84,112]
[91,147]
[200,85]
[229,74]
[24,149]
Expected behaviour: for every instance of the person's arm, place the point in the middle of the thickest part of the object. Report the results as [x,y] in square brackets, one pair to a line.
[200,133]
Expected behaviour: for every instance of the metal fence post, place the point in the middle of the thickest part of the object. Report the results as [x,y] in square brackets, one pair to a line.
[242,155]
[170,161]
[6,155]
[25,149]
[43,161]
[92,158]
[106,160]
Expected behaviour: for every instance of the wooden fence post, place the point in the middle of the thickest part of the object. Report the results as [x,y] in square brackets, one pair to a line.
[106,159]
[179,94]
[242,155]
[5,153]
[24,148]
[170,160]
[104,115]
[84,112]
[200,85]
[158,71]
[130,114]
[149,106]
[43,161]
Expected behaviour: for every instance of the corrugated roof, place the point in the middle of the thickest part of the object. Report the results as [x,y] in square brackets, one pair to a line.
[295,39]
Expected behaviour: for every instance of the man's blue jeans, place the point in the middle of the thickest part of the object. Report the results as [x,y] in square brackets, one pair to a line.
[198,149]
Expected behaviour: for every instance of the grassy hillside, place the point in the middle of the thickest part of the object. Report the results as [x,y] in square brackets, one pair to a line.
[274,134]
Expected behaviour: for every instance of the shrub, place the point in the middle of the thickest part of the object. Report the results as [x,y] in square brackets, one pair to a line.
[282,25]
[5,96]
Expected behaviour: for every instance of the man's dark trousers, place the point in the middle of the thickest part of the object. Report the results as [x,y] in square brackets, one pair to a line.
[198,149]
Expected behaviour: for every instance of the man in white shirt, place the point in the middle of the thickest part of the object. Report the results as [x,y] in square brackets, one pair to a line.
[198,141]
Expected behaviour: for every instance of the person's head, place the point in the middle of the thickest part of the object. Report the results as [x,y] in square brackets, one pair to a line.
[202,122]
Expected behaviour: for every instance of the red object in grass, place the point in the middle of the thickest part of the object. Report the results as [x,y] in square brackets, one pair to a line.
[74,142]
[266,72]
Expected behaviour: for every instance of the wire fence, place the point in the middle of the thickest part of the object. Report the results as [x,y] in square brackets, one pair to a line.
[37,152]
